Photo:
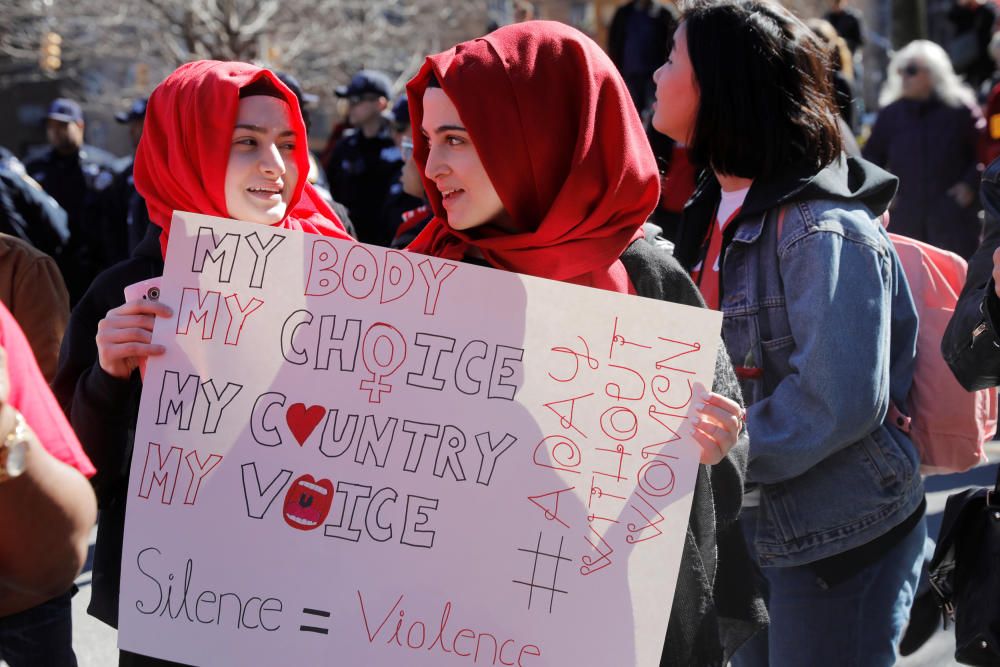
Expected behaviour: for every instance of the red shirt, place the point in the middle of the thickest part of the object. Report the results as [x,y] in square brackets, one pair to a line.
[30,394]
[706,273]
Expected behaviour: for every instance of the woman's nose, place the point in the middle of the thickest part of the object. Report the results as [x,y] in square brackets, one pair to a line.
[435,165]
[271,161]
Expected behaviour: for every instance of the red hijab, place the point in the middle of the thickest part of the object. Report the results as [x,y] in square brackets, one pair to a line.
[562,144]
[182,157]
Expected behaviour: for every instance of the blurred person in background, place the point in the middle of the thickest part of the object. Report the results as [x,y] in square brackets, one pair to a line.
[123,214]
[523,11]
[989,93]
[973,22]
[365,162]
[317,175]
[849,24]
[74,173]
[841,69]
[927,134]
[407,193]
[27,211]
[638,42]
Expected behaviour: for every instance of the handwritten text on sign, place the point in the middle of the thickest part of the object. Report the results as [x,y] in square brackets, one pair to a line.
[357,456]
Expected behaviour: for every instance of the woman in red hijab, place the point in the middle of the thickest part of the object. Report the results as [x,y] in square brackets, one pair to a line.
[221,138]
[534,160]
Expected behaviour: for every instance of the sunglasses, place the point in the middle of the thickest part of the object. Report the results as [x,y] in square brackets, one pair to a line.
[910,70]
[406,149]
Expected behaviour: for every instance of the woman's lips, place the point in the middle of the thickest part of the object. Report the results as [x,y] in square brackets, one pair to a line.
[265,195]
[450,200]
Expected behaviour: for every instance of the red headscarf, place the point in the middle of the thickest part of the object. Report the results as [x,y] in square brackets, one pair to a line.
[562,144]
[182,157]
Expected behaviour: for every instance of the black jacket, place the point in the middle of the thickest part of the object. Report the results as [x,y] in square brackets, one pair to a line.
[717,605]
[103,411]
[28,212]
[361,171]
[664,19]
[75,182]
[971,345]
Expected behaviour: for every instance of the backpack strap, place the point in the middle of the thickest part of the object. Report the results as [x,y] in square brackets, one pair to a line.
[897,418]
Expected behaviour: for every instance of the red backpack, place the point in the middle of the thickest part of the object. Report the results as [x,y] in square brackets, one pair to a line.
[948,424]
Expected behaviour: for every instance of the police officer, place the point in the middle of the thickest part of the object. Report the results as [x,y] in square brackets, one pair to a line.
[366,161]
[123,215]
[73,173]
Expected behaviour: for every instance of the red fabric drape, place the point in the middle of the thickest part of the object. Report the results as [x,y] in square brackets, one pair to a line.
[562,144]
[181,160]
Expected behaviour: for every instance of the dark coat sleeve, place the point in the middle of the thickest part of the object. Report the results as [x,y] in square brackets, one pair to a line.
[102,409]
[970,344]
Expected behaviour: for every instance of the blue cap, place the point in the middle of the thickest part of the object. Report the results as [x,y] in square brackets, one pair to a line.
[135,112]
[401,111]
[65,110]
[366,81]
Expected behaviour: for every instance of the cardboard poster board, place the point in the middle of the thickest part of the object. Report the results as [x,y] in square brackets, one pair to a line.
[355,456]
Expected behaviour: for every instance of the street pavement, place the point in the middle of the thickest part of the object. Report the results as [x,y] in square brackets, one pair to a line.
[95,643]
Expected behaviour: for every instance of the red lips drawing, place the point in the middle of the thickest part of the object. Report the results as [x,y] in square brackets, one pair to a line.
[308,502]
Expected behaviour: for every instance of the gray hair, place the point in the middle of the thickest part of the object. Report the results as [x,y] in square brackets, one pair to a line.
[946,84]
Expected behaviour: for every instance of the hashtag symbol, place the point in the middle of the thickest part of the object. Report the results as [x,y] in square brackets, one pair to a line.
[550,560]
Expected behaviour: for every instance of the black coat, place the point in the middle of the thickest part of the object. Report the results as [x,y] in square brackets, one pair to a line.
[664,19]
[971,345]
[930,146]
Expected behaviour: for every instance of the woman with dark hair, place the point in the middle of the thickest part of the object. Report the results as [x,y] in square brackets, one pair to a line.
[554,178]
[223,139]
[783,235]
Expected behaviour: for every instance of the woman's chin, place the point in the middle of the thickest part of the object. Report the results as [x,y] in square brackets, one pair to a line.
[259,217]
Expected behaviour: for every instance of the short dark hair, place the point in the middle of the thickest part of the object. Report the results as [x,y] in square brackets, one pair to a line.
[766,101]
[261,86]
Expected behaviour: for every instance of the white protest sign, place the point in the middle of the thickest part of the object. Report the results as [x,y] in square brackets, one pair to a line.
[355,456]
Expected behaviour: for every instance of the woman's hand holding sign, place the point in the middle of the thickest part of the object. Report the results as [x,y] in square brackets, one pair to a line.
[719,426]
[124,336]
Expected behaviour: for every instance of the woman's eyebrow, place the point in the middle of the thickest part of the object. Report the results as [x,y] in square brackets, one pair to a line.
[260,130]
[449,128]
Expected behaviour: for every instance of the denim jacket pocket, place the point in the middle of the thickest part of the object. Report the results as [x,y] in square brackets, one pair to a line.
[776,361]
[739,330]
[822,512]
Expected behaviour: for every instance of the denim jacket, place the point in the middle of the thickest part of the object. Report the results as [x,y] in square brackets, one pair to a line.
[821,326]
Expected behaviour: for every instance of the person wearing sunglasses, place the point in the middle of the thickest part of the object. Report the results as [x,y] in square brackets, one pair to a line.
[927,134]
[365,162]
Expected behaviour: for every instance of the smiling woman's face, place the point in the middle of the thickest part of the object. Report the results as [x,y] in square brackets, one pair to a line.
[261,174]
[453,164]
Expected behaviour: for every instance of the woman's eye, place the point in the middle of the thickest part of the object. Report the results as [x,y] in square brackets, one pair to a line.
[288,147]
[452,140]
[246,141]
